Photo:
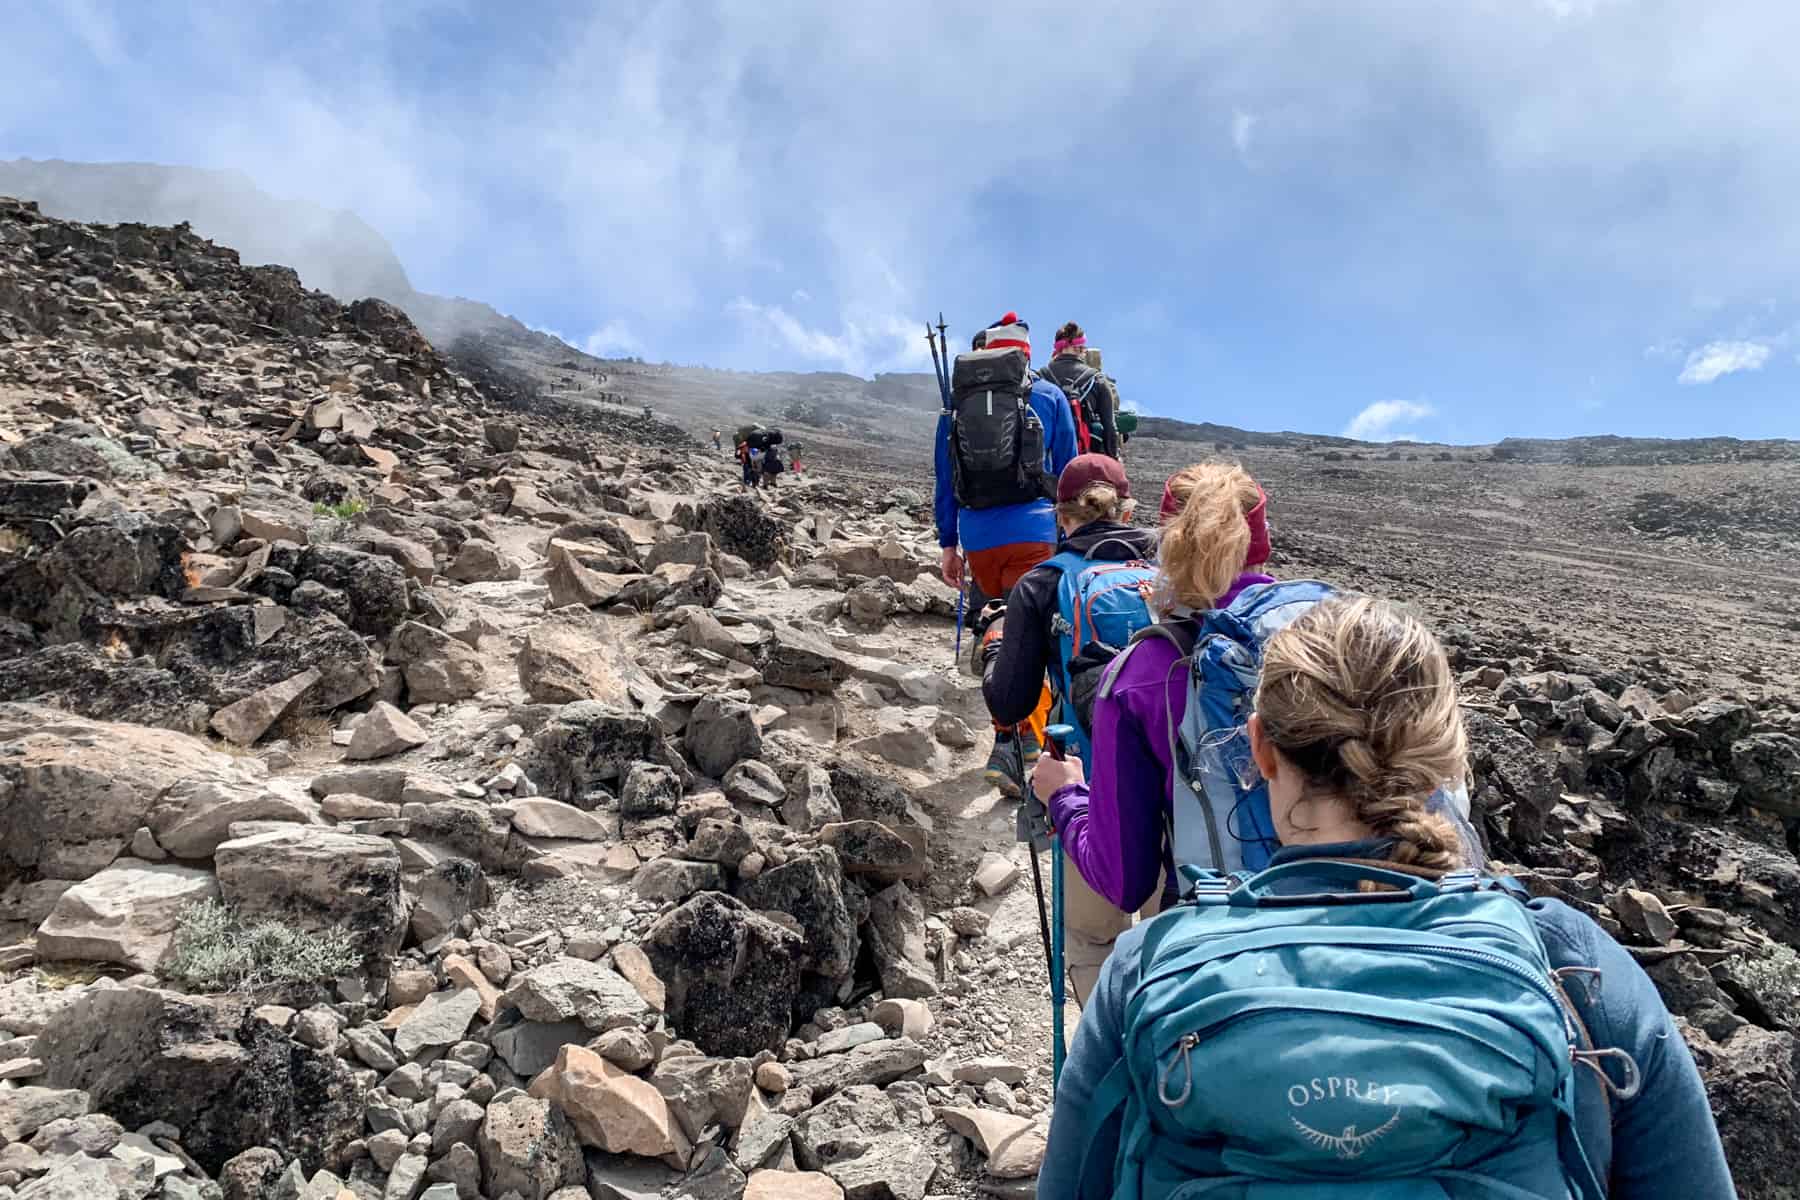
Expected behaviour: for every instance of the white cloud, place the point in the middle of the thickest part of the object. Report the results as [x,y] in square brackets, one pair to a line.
[611,340]
[1716,359]
[863,345]
[1243,131]
[801,296]
[1376,422]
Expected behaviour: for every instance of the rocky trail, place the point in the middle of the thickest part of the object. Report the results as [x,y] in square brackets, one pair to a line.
[411,787]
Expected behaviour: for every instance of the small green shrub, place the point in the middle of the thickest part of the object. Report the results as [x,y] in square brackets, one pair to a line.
[216,951]
[1775,979]
[343,511]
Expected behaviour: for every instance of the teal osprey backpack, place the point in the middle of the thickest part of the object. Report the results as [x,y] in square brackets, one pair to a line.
[1100,606]
[1408,1043]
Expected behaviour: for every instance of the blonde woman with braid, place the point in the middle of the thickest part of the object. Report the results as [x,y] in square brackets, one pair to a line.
[1355,725]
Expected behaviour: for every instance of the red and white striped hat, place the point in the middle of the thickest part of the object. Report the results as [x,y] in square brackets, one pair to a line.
[1009,333]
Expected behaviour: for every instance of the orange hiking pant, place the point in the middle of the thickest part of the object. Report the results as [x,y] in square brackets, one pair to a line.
[995,571]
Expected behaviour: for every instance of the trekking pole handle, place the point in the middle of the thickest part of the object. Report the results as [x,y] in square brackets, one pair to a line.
[1253,890]
[1054,737]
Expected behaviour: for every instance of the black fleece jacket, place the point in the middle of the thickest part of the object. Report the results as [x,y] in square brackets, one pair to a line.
[1014,679]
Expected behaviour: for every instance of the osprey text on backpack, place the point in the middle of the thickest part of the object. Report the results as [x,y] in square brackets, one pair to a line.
[1409,1043]
[1100,606]
[996,439]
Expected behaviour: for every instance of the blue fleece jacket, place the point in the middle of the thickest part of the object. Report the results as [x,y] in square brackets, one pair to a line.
[1660,1145]
[985,528]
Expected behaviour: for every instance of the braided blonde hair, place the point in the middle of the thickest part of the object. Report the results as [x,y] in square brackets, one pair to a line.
[1360,697]
[1202,548]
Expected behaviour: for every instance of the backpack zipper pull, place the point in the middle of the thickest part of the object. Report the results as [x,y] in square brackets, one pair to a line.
[1186,1045]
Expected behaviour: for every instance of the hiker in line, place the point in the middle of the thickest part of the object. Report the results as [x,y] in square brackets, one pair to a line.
[771,465]
[1098,580]
[1000,448]
[1355,723]
[718,440]
[1214,534]
[1093,397]
[751,459]
[794,458]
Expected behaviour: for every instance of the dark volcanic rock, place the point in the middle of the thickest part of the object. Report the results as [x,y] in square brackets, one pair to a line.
[731,975]
[1505,761]
[375,586]
[1753,1082]
[587,745]
[810,888]
[234,1081]
[740,525]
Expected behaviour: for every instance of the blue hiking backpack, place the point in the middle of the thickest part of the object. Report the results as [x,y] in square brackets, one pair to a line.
[1219,815]
[1409,1043]
[1100,605]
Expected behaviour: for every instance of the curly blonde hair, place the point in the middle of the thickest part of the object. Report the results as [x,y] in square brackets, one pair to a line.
[1359,696]
[1202,548]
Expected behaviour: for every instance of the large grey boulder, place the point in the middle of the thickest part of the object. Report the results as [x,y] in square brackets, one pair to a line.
[74,791]
[193,817]
[589,744]
[438,668]
[804,662]
[528,1148]
[125,914]
[897,936]
[313,879]
[574,654]
[566,989]
[720,734]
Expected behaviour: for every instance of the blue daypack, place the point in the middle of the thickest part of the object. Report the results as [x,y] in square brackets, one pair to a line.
[1219,815]
[1410,1043]
[1100,605]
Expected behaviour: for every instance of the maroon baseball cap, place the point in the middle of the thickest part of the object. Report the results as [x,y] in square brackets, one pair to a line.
[1086,470]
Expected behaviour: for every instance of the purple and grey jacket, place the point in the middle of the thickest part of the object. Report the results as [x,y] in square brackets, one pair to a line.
[1112,825]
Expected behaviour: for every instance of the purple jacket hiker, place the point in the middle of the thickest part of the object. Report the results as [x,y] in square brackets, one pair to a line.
[1112,825]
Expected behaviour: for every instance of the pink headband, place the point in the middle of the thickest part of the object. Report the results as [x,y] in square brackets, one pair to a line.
[1078,343]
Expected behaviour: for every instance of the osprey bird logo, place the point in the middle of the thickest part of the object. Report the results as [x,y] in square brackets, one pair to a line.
[1348,1144]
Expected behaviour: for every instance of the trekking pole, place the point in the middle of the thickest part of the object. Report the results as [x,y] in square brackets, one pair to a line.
[962,595]
[943,368]
[1054,737]
[1031,834]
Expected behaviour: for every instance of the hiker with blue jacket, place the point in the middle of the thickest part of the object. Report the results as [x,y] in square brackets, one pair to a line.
[1065,618]
[1001,444]
[1365,1019]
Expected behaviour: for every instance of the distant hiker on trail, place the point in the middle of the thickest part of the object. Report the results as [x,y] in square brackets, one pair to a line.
[1113,815]
[1000,447]
[1093,397]
[751,458]
[794,458]
[772,465]
[1065,619]
[718,440]
[1301,1033]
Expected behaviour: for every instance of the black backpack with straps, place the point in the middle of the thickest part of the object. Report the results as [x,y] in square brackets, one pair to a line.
[996,439]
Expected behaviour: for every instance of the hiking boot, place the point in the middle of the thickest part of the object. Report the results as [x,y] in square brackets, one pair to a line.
[1028,738]
[1003,765]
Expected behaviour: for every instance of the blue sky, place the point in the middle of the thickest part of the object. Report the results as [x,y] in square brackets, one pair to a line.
[1457,220]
